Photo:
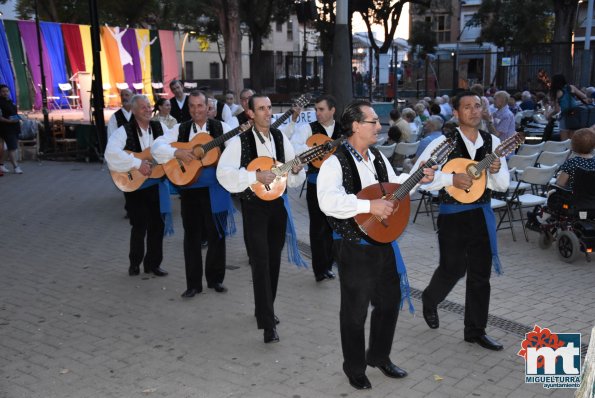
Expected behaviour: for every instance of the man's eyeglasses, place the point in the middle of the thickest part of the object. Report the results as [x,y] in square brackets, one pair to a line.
[370,121]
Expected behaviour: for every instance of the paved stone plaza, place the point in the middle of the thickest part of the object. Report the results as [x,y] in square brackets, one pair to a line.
[74,324]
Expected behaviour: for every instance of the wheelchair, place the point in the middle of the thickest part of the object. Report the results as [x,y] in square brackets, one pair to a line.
[569,218]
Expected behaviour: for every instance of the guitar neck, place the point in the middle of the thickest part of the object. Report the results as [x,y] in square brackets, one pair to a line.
[486,162]
[412,181]
[221,139]
[281,119]
[302,158]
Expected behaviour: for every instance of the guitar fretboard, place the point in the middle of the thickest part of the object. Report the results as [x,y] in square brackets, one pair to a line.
[221,139]
[412,181]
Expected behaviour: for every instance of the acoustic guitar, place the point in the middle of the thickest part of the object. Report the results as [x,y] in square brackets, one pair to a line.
[319,139]
[302,101]
[131,180]
[207,152]
[276,188]
[477,170]
[377,230]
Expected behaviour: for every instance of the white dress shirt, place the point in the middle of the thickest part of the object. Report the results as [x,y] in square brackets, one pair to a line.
[333,199]
[495,182]
[112,124]
[119,160]
[303,132]
[236,179]
[162,150]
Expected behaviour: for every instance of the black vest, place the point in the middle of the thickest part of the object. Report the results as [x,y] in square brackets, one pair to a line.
[8,109]
[352,183]
[214,127]
[460,151]
[181,115]
[121,119]
[242,118]
[132,140]
[317,128]
[249,153]
[219,115]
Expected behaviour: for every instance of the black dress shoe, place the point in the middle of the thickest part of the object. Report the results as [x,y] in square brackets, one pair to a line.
[391,370]
[330,274]
[159,271]
[219,288]
[190,293]
[320,277]
[271,336]
[486,342]
[431,317]
[277,321]
[360,382]
[133,270]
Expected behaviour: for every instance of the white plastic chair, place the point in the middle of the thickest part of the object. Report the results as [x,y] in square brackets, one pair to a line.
[547,158]
[68,93]
[556,146]
[530,149]
[139,88]
[387,150]
[407,148]
[539,179]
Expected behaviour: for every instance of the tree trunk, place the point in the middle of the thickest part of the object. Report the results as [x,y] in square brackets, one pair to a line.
[229,21]
[565,12]
[255,62]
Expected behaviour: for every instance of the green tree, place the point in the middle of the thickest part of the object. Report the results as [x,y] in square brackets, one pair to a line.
[521,25]
[385,13]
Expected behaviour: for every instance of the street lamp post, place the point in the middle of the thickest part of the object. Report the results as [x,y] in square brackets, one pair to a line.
[184,40]
[44,98]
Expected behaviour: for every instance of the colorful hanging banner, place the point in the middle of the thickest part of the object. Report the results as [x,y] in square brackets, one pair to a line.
[29,36]
[6,75]
[144,52]
[74,47]
[52,36]
[169,58]
[24,92]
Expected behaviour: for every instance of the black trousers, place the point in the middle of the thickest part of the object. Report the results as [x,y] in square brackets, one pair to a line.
[367,274]
[321,234]
[265,223]
[464,248]
[198,222]
[145,219]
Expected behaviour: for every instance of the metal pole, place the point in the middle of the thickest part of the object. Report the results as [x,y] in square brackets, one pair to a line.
[586,58]
[342,85]
[44,97]
[370,69]
[97,86]
[396,88]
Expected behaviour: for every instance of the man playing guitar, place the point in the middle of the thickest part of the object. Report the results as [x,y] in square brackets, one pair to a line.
[143,205]
[467,232]
[321,234]
[368,273]
[206,206]
[265,222]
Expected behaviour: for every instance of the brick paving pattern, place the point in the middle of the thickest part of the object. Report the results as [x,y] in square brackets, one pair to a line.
[74,324]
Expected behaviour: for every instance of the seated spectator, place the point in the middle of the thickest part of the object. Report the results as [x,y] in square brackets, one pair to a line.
[408,115]
[446,108]
[503,119]
[394,136]
[230,101]
[583,144]
[512,105]
[527,103]
[432,129]
[162,111]
[403,123]
[420,116]
[394,115]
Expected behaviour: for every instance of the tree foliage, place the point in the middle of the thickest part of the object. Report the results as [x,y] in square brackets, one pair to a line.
[513,24]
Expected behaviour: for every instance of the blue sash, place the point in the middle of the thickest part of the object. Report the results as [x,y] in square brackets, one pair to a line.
[490,218]
[312,178]
[164,203]
[293,253]
[221,205]
[401,270]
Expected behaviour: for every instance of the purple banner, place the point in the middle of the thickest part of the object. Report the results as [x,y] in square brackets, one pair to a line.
[29,36]
[132,73]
